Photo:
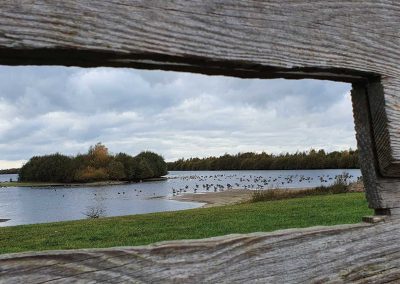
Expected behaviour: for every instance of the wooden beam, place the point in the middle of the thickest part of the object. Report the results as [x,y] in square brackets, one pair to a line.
[359,253]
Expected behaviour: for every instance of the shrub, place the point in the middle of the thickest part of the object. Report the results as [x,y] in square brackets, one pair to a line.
[95,212]
[156,163]
[116,170]
[90,174]
[50,168]
[341,185]
[144,170]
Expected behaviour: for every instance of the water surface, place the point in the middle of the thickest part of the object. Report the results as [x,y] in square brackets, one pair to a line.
[8,177]
[40,205]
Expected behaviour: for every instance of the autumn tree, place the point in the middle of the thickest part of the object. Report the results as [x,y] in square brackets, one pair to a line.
[91,174]
[96,165]
[98,156]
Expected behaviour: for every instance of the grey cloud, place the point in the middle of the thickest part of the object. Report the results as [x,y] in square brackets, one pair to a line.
[50,109]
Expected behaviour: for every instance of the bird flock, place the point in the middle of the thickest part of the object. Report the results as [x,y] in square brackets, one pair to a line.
[201,182]
[196,183]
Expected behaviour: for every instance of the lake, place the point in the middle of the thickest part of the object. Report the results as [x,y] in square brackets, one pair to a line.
[40,205]
[8,178]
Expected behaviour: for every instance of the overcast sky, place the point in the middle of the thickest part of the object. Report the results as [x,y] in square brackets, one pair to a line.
[57,109]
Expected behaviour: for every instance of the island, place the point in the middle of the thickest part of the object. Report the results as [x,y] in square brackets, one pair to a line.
[96,167]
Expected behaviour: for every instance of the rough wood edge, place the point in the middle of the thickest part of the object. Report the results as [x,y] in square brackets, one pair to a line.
[337,254]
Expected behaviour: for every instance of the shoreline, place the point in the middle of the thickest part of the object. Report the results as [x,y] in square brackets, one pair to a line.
[265,170]
[212,199]
[235,196]
[89,184]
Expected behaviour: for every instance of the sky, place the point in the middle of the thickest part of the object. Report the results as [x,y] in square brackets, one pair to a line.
[46,110]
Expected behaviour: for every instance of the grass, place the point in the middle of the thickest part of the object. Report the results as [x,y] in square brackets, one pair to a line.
[189,224]
[340,185]
[279,194]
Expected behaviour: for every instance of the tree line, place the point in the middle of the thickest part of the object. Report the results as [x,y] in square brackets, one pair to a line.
[96,165]
[9,171]
[312,159]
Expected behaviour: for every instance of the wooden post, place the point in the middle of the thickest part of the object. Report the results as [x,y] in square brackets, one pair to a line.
[382,193]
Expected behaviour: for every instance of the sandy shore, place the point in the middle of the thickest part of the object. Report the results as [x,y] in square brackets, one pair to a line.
[216,198]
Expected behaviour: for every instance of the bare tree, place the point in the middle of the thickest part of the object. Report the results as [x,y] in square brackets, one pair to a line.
[95,212]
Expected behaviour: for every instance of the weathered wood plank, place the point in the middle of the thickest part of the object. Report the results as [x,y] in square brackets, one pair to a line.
[345,40]
[348,253]
[354,41]
[382,193]
[295,37]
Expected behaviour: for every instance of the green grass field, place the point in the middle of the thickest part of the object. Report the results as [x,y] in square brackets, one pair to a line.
[189,224]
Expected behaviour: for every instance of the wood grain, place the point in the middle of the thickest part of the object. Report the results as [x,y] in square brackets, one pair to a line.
[340,254]
[352,40]
[337,40]
[382,192]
